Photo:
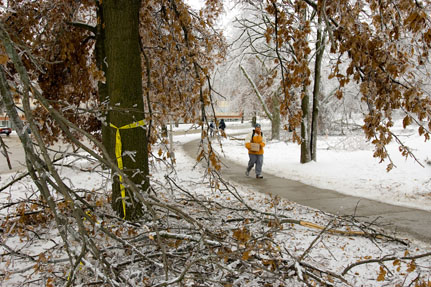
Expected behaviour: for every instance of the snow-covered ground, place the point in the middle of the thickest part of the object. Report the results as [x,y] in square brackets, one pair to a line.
[344,164]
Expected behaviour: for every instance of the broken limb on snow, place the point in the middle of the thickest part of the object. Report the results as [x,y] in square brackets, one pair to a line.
[195,234]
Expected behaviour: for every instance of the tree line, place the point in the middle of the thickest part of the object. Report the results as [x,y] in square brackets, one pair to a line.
[299,54]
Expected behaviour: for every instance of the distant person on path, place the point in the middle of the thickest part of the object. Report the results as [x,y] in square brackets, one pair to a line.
[212,127]
[255,142]
[222,125]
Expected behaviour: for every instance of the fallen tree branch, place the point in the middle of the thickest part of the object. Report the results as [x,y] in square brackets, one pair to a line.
[14,181]
[384,259]
[5,152]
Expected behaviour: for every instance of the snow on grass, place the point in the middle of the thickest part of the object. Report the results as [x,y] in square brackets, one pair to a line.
[346,164]
[264,244]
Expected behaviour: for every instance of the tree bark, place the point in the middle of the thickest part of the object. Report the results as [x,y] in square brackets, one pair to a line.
[275,123]
[102,88]
[305,125]
[305,146]
[126,105]
[320,47]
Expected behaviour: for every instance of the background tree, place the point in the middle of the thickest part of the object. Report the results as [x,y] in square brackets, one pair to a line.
[280,34]
[254,57]
[179,49]
[382,61]
[274,114]
[320,49]
[388,68]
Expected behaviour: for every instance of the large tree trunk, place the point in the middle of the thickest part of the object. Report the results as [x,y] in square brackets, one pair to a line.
[124,83]
[305,124]
[320,47]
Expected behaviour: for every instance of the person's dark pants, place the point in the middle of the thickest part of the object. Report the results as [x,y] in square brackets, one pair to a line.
[255,159]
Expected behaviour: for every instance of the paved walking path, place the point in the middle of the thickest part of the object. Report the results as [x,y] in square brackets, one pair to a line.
[16,155]
[406,222]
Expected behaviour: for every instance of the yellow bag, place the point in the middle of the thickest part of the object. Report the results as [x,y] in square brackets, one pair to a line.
[255,147]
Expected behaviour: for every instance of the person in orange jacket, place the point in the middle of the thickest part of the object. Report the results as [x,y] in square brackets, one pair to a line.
[255,154]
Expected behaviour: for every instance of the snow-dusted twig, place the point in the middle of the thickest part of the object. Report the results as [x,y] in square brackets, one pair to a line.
[384,259]
[314,241]
[5,152]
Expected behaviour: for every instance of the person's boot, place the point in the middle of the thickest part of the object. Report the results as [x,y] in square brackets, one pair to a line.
[259,176]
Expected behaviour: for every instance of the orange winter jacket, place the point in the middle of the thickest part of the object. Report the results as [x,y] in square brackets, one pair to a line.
[260,139]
